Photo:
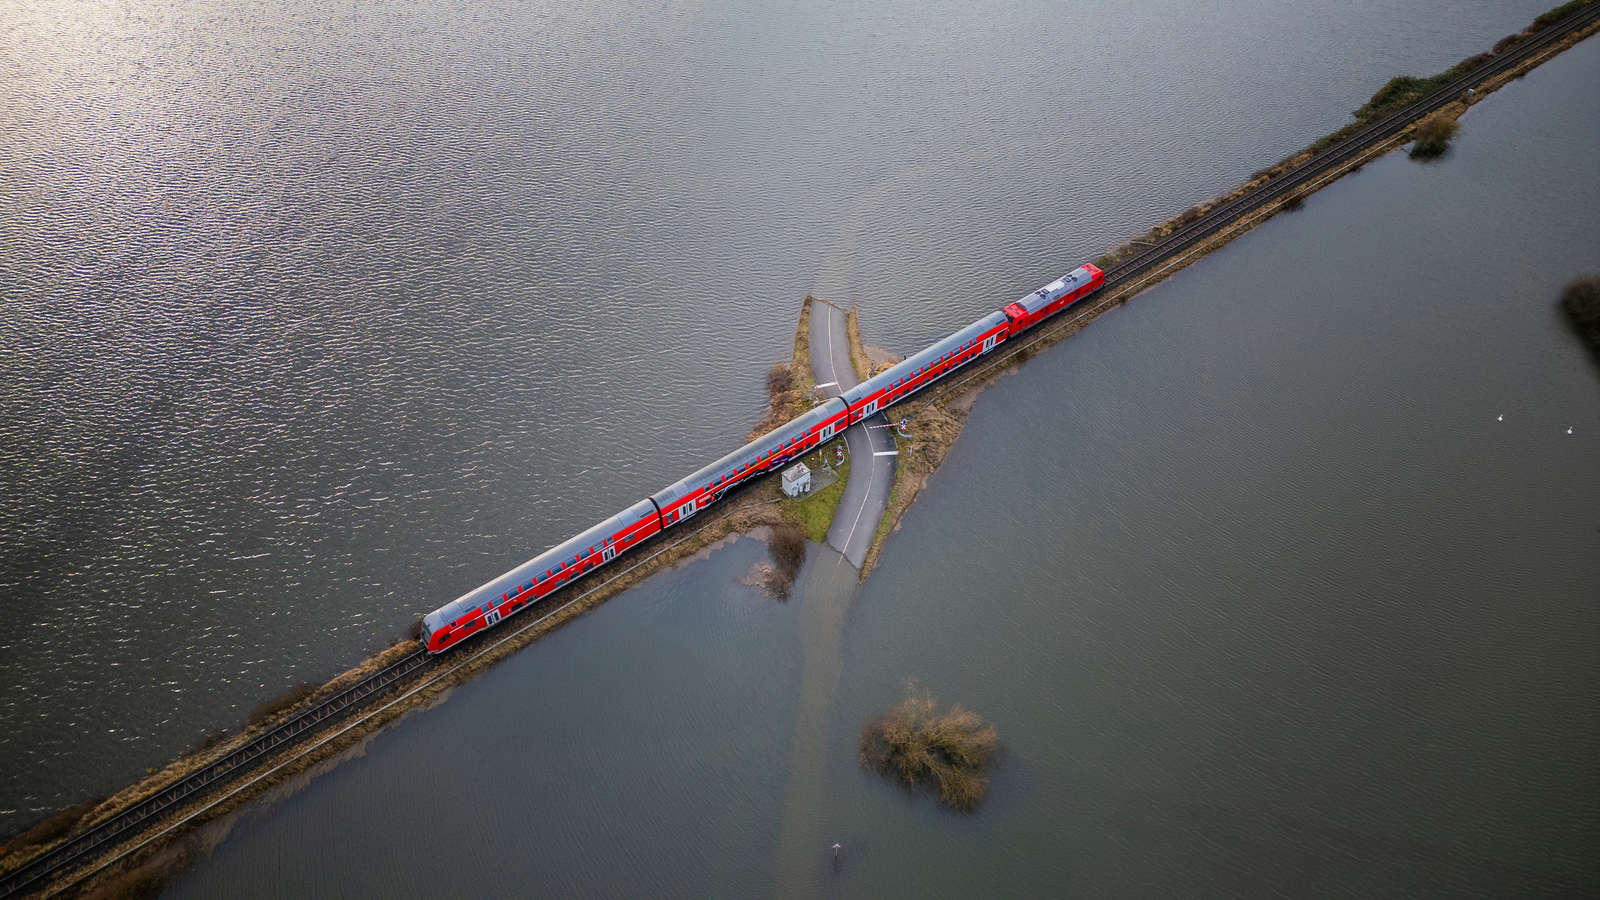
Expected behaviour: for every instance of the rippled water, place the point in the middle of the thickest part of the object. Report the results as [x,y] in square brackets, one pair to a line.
[315,314]
[1279,606]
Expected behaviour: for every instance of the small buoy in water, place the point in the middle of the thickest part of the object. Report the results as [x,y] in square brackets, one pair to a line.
[1569,429]
[1500,418]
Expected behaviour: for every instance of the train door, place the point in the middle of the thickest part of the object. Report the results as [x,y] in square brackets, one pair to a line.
[608,553]
[491,616]
[988,343]
[869,409]
[825,433]
[685,511]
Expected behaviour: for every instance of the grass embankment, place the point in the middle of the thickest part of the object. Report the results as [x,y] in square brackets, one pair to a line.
[858,349]
[1580,300]
[916,745]
[1396,94]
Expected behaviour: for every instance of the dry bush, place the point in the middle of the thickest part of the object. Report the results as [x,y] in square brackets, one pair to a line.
[788,548]
[207,742]
[282,702]
[779,379]
[415,631]
[1433,136]
[916,745]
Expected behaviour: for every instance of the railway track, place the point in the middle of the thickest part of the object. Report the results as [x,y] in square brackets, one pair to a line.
[1130,271]
[365,693]
[314,720]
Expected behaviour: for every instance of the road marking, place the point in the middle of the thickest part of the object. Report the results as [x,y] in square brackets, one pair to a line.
[871,474]
[886,453]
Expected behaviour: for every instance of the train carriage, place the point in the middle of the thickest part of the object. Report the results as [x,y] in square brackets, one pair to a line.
[487,604]
[935,361]
[683,499]
[1034,308]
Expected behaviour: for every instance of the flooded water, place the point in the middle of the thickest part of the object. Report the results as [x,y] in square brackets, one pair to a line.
[317,314]
[1280,579]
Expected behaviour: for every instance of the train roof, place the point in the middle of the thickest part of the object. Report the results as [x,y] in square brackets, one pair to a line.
[749,453]
[929,354]
[1055,290]
[579,545]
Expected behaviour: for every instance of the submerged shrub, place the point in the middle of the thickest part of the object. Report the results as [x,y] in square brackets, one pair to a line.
[788,548]
[1581,302]
[916,745]
[1433,136]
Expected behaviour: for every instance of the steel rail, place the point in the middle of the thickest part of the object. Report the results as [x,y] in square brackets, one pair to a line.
[364,691]
[1226,214]
[325,712]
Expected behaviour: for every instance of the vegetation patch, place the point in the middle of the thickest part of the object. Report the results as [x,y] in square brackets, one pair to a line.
[814,512]
[860,360]
[787,544]
[1580,300]
[51,828]
[284,701]
[1396,94]
[916,745]
[1433,135]
[789,384]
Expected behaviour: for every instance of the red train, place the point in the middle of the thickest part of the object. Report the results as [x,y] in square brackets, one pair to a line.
[485,606]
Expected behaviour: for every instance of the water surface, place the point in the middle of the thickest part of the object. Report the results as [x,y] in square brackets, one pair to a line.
[1259,591]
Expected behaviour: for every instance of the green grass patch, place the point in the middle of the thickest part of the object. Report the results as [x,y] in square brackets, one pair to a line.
[814,511]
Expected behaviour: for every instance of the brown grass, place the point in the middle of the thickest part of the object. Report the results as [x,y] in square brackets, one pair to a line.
[789,384]
[859,359]
[917,746]
[52,828]
[286,700]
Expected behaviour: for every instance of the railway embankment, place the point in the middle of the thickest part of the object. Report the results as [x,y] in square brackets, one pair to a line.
[166,842]
[937,417]
[143,860]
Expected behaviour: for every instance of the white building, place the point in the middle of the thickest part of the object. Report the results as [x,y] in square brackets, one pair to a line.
[797,480]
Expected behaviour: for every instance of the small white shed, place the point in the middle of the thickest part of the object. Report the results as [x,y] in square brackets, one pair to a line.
[797,480]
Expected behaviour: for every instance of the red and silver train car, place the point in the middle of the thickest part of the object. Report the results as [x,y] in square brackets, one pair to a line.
[485,606]
[914,373]
[771,450]
[1054,297]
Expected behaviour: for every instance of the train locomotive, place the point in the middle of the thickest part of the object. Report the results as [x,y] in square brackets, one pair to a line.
[487,605]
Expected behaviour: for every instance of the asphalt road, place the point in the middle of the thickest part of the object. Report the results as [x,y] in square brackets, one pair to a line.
[867,492]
